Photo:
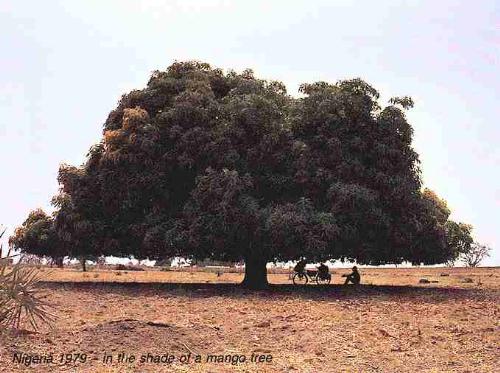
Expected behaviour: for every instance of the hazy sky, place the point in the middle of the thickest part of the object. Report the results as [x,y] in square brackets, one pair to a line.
[65,64]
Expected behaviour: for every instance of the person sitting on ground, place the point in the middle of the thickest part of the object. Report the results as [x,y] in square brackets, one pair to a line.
[354,277]
[300,266]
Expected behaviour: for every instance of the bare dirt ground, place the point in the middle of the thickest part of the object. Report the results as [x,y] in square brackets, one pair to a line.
[389,324]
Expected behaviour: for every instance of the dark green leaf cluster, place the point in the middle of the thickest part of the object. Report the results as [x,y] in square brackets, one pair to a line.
[37,235]
[208,164]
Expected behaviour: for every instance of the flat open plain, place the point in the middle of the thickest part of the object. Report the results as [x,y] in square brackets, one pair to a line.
[391,323]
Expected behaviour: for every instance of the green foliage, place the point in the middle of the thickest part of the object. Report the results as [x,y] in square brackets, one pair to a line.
[66,234]
[429,235]
[37,236]
[75,234]
[406,102]
[436,207]
[458,238]
[208,164]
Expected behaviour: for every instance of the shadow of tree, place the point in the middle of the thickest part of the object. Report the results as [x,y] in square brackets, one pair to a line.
[275,291]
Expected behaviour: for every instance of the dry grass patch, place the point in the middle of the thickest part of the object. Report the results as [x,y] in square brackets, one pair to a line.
[379,328]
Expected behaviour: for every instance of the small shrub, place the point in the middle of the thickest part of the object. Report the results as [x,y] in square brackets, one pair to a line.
[467,280]
[20,296]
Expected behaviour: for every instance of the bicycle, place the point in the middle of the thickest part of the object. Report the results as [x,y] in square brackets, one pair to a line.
[303,277]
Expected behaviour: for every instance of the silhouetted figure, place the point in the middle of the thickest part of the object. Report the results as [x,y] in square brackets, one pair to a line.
[354,277]
[300,266]
[323,270]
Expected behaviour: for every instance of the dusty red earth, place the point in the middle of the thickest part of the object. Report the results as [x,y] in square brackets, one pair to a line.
[448,326]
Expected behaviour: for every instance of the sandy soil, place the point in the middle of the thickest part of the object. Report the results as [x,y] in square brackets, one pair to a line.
[390,324]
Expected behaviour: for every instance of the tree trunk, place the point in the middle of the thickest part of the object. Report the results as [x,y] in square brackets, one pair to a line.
[59,262]
[83,261]
[255,273]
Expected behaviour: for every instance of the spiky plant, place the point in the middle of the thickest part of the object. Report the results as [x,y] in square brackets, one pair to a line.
[20,295]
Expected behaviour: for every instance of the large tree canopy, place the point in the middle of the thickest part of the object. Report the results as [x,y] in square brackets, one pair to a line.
[208,164]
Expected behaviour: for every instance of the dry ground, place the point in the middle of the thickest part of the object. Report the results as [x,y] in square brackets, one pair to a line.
[390,324]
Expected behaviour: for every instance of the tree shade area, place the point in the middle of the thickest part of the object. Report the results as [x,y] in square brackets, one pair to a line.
[204,163]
